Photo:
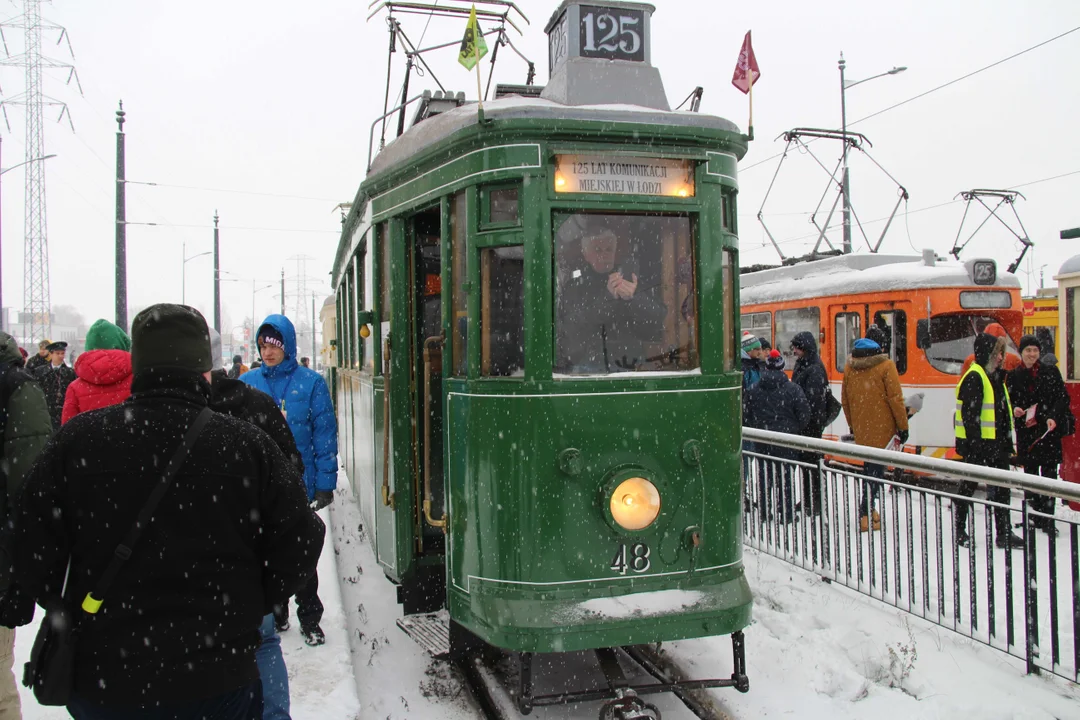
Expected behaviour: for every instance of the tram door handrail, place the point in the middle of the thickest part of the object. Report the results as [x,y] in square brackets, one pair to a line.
[387,496]
[432,359]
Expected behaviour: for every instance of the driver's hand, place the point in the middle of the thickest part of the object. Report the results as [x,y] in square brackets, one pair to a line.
[626,288]
[613,281]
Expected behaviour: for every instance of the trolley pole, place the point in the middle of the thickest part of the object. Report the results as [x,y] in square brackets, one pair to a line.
[282,291]
[217,278]
[845,187]
[121,225]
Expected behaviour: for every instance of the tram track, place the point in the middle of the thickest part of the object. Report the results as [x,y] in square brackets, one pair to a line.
[488,682]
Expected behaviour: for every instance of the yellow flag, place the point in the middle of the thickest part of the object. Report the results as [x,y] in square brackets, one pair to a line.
[473,46]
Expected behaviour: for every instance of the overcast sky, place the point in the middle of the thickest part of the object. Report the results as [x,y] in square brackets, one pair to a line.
[275,99]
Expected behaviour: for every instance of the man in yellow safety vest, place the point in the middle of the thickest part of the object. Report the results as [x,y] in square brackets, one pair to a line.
[983,427]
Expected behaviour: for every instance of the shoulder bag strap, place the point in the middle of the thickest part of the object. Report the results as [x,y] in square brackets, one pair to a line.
[92,602]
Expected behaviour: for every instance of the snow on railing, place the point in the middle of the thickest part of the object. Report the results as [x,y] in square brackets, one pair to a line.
[995,570]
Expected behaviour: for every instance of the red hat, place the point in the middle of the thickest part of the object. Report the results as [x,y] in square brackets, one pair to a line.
[23,353]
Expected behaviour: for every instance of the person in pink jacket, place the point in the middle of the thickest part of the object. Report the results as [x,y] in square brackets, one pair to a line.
[103,370]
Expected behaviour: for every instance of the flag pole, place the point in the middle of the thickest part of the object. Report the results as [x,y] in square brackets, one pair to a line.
[750,94]
[479,92]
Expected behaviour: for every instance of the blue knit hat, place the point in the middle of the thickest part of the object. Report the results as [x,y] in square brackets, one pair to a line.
[866,344]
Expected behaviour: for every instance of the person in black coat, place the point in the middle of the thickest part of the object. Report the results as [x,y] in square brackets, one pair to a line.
[809,374]
[1039,387]
[54,377]
[233,536]
[239,400]
[777,404]
[987,452]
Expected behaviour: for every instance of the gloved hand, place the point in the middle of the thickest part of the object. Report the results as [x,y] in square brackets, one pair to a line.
[16,608]
[322,499]
[903,435]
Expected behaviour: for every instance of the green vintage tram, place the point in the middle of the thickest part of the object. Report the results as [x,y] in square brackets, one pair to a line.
[537,381]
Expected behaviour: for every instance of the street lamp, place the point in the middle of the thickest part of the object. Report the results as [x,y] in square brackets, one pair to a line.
[183,282]
[254,328]
[3,315]
[845,182]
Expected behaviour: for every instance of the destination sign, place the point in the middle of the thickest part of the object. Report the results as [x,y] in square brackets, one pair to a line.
[624,175]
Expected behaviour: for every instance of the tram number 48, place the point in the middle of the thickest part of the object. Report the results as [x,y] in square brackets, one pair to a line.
[635,560]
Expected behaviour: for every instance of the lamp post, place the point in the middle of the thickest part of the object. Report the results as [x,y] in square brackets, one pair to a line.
[253,326]
[3,315]
[845,182]
[183,283]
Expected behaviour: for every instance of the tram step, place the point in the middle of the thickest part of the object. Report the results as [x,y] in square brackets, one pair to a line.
[431,631]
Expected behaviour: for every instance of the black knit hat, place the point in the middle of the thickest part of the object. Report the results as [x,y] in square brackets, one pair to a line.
[1027,341]
[268,335]
[168,336]
[775,361]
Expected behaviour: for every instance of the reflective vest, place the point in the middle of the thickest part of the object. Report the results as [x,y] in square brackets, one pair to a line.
[987,416]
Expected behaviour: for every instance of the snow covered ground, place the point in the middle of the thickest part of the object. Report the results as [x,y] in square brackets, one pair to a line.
[813,651]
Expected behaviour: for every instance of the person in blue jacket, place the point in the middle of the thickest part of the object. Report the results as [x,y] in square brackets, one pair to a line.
[303,398]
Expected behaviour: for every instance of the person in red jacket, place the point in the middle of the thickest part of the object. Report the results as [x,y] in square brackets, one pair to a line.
[103,370]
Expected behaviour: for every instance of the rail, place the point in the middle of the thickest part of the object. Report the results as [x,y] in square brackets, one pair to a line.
[933,546]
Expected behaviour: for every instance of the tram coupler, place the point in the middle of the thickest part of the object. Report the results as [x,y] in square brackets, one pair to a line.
[628,706]
[738,675]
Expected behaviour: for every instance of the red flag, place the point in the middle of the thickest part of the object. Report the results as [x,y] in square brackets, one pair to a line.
[746,69]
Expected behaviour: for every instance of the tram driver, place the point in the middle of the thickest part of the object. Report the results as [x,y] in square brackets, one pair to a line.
[605,316]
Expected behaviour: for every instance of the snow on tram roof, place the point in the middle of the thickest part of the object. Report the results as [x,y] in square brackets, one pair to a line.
[441,126]
[849,274]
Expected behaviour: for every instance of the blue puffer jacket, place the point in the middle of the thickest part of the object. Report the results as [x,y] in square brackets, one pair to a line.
[303,395]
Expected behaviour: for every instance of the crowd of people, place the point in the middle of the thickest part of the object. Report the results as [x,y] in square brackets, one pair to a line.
[999,394]
[162,510]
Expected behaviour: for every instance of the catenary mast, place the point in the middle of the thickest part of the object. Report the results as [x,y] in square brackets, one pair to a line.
[36,298]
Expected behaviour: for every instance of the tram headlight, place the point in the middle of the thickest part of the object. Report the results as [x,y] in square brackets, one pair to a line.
[635,504]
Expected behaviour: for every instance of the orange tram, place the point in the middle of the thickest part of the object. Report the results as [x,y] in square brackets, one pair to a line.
[929,308]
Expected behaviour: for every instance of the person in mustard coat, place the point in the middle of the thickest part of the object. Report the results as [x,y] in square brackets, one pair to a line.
[873,406]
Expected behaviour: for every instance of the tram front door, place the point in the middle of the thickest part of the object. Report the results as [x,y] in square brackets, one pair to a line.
[424,588]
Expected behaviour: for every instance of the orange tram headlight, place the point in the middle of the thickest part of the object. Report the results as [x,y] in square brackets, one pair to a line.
[635,503]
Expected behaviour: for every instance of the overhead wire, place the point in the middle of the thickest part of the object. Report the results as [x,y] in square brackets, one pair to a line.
[932,90]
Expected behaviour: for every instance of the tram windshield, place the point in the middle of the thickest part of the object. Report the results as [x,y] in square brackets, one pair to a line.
[624,294]
[952,339]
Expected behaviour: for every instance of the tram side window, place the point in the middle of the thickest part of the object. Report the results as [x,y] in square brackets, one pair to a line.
[790,323]
[847,332]
[1072,330]
[947,340]
[758,324]
[502,311]
[348,325]
[366,300]
[894,324]
[357,299]
[459,296]
[384,274]
[624,294]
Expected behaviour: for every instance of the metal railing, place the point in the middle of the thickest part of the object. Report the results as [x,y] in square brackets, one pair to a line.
[928,545]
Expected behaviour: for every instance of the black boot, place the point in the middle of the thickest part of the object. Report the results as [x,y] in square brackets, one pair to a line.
[1005,538]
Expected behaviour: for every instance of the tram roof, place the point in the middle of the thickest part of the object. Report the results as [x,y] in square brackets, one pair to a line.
[438,128]
[859,273]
